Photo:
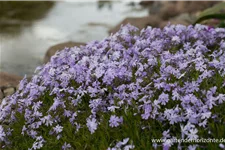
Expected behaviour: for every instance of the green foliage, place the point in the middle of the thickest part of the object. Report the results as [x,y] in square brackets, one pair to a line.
[215,12]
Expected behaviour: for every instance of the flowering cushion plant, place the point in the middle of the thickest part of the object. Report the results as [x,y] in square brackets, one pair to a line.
[122,92]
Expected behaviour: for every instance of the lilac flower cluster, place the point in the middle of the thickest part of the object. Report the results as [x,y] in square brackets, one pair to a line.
[175,75]
[122,145]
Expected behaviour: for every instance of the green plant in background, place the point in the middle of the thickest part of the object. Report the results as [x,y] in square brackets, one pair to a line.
[215,12]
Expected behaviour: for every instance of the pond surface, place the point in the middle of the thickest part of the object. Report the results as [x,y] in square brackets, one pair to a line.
[22,52]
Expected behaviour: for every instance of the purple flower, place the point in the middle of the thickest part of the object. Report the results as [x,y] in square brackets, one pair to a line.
[57,103]
[172,115]
[221,98]
[36,106]
[193,134]
[176,39]
[92,125]
[206,115]
[122,144]
[113,108]
[66,146]
[176,95]
[58,129]
[192,147]
[115,121]
[47,120]
[128,147]
[167,144]
[2,134]
[221,146]
[38,144]
[166,134]
[67,113]
[33,133]
[23,83]
[147,109]
[163,98]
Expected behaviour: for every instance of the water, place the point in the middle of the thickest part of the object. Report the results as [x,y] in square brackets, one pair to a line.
[21,53]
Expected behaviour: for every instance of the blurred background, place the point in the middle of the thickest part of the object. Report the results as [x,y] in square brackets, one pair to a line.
[28,29]
[31,32]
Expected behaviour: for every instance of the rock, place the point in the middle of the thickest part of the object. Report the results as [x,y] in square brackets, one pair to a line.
[162,12]
[9,91]
[9,80]
[53,49]
[193,6]
[140,22]
[181,6]
[8,84]
[168,10]
[184,19]
[190,7]
[156,7]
